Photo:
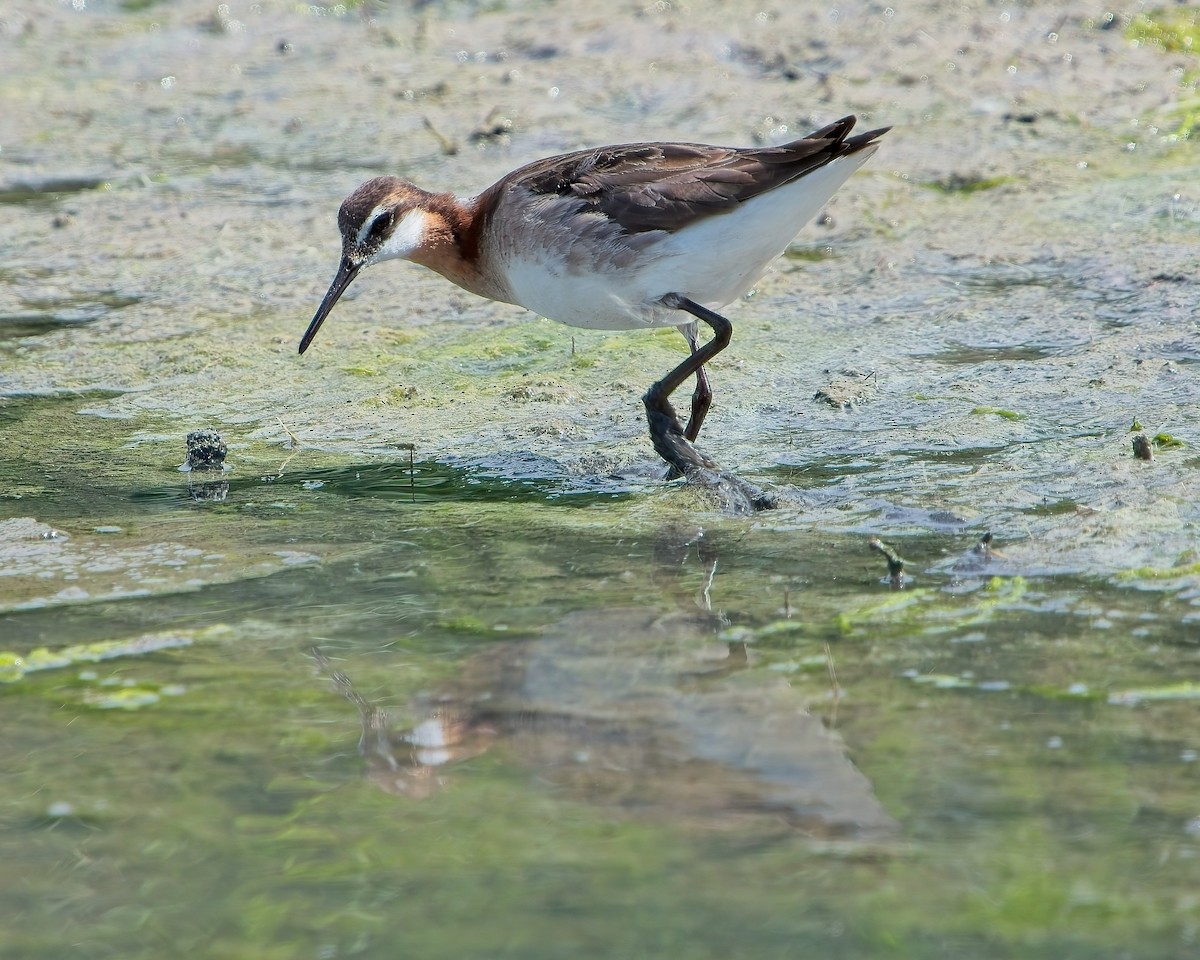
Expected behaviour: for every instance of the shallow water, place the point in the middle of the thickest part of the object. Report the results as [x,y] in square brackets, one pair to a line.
[439,667]
[629,778]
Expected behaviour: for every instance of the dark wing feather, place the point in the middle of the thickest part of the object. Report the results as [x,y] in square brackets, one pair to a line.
[665,186]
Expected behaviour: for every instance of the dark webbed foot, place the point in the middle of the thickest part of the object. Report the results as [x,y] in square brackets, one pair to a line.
[734,494]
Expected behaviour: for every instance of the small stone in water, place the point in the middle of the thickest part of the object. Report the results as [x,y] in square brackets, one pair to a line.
[1141,447]
[205,450]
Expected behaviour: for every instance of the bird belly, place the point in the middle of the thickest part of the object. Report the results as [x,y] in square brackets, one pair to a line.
[601,298]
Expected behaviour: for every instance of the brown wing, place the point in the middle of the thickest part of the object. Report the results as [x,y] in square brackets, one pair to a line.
[664,186]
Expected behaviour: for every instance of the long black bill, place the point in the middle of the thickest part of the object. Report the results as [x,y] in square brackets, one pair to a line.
[346,273]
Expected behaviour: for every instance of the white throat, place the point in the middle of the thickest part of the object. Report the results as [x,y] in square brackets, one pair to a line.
[405,239]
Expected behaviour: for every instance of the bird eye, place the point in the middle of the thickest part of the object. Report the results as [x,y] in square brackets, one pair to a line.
[380,225]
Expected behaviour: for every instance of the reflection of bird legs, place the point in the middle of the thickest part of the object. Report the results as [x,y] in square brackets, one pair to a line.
[673,550]
[374,744]
[708,556]
[739,655]
[444,736]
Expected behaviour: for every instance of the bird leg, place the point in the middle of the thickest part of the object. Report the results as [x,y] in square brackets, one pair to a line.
[672,442]
[701,397]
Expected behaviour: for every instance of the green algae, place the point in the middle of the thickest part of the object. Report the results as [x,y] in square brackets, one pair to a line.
[932,612]
[116,691]
[15,666]
[958,184]
[131,696]
[1174,31]
[1161,440]
[813,253]
[942,681]
[1176,691]
[997,412]
[1184,569]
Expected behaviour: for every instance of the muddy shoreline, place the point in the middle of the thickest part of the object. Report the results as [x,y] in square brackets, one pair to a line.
[1012,275]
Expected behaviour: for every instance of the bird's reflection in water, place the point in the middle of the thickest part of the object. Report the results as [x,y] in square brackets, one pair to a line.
[639,710]
[409,762]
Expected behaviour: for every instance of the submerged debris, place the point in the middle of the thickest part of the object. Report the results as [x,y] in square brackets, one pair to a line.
[448,146]
[977,561]
[846,389]
[984,546]
[1142,448]
[895,562]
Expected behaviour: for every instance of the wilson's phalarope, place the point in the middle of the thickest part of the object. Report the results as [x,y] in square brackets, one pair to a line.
[614,238]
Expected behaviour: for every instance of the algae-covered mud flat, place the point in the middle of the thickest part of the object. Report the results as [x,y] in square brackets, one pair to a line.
[422,657]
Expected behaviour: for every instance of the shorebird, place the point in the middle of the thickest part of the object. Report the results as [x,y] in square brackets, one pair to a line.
[615,238]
